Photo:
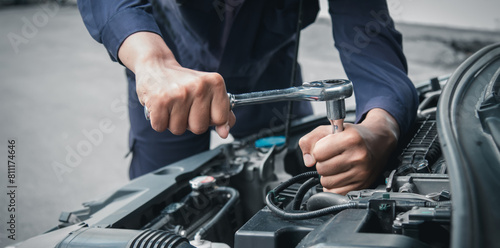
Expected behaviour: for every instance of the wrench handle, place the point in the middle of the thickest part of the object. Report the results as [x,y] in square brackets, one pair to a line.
[323,90]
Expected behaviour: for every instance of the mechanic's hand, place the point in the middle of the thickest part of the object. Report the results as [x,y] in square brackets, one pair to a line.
[352,159]
[178,99]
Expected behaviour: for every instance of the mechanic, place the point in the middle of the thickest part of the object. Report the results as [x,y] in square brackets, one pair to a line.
[181,56]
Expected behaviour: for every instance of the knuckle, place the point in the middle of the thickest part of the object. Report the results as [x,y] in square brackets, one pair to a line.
[199,91]
[177,131]
[178,95]
[365,155]
[162,102]
[157,126]
[361,156]
[214,78]
[321,168]
[218,120]
[352,138]
[215,81]
[219,117]
[199,129]
[304,142]
[326,183]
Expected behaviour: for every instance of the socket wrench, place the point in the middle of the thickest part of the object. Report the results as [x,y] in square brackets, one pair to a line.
[333,91]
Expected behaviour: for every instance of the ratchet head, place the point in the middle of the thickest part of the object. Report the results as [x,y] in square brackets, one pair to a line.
[335,103]
[331,89]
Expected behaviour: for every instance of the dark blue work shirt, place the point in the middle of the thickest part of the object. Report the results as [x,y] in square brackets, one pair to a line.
[260,43]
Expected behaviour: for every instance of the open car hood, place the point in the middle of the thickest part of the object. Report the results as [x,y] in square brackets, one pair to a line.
[468,120]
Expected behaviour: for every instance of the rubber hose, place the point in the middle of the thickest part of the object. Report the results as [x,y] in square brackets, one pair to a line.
[232,201]
[307,215]
[302,191]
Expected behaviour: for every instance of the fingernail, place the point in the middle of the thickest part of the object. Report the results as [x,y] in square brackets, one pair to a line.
[223,131]
[308,160]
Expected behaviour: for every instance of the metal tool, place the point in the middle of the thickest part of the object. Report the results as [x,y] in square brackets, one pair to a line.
[333,91]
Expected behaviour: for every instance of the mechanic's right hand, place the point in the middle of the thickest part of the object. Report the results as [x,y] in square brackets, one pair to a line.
[178,99]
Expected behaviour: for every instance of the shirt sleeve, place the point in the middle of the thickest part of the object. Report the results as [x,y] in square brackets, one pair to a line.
[371,52]
[110,22]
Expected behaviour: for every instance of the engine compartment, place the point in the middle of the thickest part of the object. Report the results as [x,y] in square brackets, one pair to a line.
[218,198]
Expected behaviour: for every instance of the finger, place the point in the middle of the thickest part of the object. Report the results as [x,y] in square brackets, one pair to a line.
[223,130]
[355,158]
[309,160]
[178,119]
[336,144]
[232,119]
[159,117]
[141,92]
[308,141]
[220,111]
[338,180]
[342,190]
[199,116]
[333,166]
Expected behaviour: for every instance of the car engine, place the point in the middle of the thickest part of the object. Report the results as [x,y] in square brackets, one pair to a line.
[255,192]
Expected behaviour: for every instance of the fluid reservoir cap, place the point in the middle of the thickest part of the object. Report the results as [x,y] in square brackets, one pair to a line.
[270,141]
[202,182]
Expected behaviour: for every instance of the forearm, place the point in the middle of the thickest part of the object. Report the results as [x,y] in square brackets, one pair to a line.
[371,52]
[143,49]
[382,124]
[110,22]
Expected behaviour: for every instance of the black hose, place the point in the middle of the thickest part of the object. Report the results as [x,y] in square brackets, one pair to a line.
[232,201]
[272,195]
[302,191]
[307,215]
[293,180]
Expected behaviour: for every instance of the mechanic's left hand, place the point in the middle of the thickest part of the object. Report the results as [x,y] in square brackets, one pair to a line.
[352,159]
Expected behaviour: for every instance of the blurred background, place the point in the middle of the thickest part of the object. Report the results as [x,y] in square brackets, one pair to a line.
[61,94]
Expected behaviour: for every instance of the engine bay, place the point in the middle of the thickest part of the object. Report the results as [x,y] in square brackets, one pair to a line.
[255,192]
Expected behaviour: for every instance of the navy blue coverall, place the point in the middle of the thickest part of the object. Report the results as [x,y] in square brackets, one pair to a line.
[256,54]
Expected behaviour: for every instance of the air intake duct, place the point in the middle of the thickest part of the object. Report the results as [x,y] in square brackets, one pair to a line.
[123,238]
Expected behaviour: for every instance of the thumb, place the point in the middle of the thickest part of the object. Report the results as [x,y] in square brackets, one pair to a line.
[223,130]
[308,142]
[309,160]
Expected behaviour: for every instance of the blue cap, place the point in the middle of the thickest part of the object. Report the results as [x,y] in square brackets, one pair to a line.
[270,141]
